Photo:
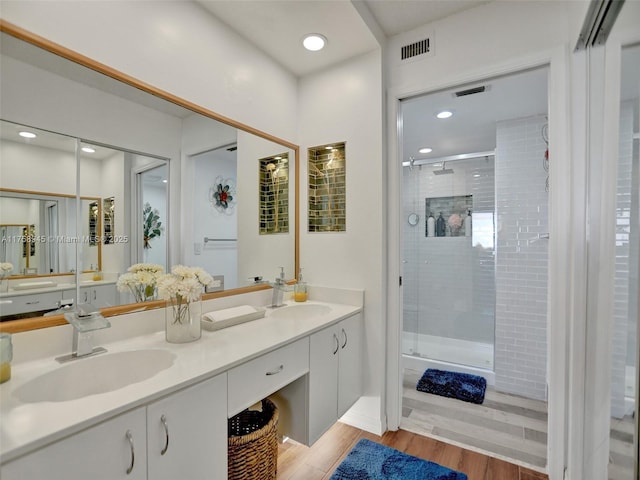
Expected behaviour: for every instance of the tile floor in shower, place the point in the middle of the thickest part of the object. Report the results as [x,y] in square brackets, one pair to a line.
[505,426]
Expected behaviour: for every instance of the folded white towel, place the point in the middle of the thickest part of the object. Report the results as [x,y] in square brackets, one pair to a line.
[233,312]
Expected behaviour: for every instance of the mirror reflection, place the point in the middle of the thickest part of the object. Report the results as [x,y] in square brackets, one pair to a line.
[160,184]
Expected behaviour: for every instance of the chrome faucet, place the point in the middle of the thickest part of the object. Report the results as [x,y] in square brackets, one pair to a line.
[85,320]
[279,286]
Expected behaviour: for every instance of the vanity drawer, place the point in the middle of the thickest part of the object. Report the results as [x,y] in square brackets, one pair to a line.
[29,303]
[252,381]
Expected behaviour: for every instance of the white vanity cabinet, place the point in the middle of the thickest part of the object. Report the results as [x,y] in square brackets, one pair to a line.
[335,373]
[14,304]
[113,450]
[190,426]
[187,433]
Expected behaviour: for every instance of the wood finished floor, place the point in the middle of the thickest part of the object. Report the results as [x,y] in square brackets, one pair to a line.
[298,462]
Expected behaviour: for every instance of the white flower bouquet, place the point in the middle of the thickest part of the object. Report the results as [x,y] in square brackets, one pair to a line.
[5,269]
[141,280]
[181,287]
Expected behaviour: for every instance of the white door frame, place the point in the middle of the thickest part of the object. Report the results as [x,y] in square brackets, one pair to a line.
[562,244]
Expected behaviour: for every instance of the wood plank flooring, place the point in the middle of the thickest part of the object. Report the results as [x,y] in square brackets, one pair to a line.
[298,462]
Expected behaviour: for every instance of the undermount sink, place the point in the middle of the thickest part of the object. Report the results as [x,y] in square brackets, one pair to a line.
[302,311]
[95,375]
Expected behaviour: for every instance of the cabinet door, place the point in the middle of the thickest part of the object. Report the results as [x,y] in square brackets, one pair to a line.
[187,433]
[350,368]
[102,452]
[100,296]
[323,381]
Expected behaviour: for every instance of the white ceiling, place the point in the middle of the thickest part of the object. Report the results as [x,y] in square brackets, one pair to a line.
[278,26]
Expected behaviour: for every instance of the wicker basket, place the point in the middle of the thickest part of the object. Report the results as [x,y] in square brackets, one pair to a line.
[253,444]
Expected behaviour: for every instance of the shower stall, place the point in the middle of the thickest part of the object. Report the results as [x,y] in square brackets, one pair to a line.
[449,265]
[475,260]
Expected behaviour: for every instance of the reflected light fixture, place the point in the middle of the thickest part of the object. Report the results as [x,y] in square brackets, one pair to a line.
[88,150]
[444,114]
[26,134]
[425,150]
[314,42]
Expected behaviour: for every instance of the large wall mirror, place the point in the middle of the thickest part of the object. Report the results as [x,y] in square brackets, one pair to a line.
[150,171]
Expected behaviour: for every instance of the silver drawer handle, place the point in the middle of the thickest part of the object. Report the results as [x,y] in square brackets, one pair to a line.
[163,419]
[133,453]
[35,302]
[345,338]
[276,371]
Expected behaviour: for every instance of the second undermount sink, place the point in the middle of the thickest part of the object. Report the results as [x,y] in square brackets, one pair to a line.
[301,311]
[95,375]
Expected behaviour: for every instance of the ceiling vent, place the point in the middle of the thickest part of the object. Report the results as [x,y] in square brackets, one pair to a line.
[471,91]
[415,49]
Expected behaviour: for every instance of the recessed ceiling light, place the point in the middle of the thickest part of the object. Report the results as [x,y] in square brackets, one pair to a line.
[165,181]
[314,42]
[88,150]
[26,134]
[476,175]
[444,114]
[425,150]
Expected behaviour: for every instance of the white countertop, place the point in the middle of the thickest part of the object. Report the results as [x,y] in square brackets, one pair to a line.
[27,426]
[11,292]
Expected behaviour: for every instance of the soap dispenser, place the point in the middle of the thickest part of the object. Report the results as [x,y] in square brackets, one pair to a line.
[300,289]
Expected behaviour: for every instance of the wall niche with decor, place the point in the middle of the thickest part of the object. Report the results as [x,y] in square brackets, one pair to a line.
[274,194]
[327,188]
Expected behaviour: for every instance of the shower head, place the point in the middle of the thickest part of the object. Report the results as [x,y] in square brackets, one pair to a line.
[443,170]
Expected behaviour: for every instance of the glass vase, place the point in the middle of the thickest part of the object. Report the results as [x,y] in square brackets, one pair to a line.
[182,320]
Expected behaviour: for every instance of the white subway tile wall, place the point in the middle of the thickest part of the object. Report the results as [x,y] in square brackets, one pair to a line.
[521,258]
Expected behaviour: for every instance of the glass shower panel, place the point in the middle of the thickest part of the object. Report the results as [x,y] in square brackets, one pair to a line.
[413,224]
[456,262]
[625,338]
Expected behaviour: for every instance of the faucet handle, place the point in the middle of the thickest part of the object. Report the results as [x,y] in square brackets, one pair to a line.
[86,319]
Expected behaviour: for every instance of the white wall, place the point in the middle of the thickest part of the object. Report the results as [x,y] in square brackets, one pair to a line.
[176,46]
[217,258]
[344,104]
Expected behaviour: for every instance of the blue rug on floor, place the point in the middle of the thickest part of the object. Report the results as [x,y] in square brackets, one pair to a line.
[462,386]
[372,461]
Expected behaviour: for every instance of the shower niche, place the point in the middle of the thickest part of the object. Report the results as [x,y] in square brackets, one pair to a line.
[448,216]
[327,188]
[274,194]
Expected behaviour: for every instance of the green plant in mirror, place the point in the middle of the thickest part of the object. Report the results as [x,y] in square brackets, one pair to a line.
[152,225]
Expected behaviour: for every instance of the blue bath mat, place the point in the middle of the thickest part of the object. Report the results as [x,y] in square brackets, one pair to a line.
[372,461]
[462,386]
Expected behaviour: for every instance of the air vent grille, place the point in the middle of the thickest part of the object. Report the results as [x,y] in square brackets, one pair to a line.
[417,48]
[470,91]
